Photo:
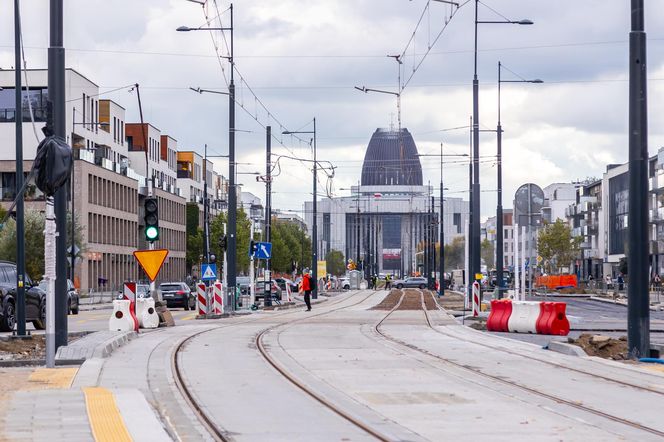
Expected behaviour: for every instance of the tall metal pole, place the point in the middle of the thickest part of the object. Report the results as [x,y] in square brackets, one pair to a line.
[314,229]
[20,215]
[475,209]
[72,193]
[268,211]
[232,196]
[500,281]
[56,92]
[638,296]
[441,251]
[206,221]
[470,277]
[357,253]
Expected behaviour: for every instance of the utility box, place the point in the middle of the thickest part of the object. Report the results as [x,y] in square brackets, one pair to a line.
[355,278]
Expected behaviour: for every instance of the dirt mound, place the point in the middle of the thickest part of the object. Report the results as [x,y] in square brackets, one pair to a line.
[602,346]
[412,300]
[19,349]
[390,301]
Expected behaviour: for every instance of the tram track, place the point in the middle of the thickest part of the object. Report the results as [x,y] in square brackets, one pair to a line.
[219,434]
[303,387]
[508,382]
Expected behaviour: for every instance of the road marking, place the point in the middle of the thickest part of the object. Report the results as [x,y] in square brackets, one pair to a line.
[188,317]
[45,378]
[105,419]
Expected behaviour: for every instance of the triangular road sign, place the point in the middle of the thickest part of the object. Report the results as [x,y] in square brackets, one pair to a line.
[151,261]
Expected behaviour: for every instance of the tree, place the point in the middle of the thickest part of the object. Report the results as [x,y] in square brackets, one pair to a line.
[289,244]
[455,253]
[243,225]
[34,222]
[557,246]
[335,262]
[488,253]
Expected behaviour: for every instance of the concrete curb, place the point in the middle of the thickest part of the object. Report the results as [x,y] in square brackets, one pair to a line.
[566,349]
[95,345]
[92,307]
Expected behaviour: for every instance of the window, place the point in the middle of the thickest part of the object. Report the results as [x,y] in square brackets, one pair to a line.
[37,98]
[457,222]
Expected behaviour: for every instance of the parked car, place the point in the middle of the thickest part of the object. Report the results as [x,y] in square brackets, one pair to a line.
[275,290]
[414,282]
[35,299]
[177,294]
[283,282]
[344,283]
[243,283]
[72,296]
[142,290]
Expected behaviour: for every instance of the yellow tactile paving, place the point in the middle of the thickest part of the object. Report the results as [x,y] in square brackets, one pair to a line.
[654,367]
[59,378]
[105,419]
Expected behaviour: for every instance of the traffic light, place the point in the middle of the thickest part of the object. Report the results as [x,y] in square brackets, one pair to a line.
[223,242]
[253,247]
[151,218]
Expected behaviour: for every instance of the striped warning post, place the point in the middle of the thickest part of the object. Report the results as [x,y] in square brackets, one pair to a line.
[217,303]
[201,298]
[476,298]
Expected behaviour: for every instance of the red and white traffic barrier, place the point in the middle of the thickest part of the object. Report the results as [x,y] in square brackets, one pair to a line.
[218,299]
[545,318]
[122,318]
[201,298]
[476,298]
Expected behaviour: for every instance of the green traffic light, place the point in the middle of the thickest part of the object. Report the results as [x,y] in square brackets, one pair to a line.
[151,233]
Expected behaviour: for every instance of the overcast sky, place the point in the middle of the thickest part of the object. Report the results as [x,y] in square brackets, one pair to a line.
[302,58]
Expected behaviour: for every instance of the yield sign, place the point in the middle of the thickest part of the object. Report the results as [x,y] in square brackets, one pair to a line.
[151,261]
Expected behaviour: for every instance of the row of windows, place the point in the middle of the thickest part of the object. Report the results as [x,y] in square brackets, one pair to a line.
[118,131]
[172,211]
[104,229]
[112,270]
[154,147]
[175,240]
[107,193]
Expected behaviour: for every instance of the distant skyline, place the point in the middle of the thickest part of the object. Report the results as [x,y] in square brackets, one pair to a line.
[303,59]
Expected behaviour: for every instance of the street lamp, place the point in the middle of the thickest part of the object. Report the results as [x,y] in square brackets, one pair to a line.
[442,227]
[500,280]
[475,258]
[232,192]
[314,230]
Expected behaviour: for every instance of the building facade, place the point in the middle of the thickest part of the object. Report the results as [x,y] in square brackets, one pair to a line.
[390,216]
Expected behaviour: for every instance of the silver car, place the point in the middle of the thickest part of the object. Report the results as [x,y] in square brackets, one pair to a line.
[416,282]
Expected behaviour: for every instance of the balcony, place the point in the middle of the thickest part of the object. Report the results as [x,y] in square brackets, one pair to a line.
[656,215]
[656,183]
[185,174]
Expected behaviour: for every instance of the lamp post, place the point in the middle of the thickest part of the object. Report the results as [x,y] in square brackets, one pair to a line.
[475,258]
[500,280]
[232,192]
[442,227]
[314,231]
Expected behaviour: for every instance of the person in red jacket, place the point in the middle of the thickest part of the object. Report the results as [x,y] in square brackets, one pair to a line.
[306,288]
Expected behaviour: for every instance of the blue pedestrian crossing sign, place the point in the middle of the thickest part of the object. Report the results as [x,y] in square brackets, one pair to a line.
[209,272]
[263,250]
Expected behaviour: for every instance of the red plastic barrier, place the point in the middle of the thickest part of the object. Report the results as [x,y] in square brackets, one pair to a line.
[546,310]
[501,309]
[553,319]
[558,323]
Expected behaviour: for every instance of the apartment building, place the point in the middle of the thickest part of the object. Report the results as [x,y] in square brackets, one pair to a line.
[109,177]
[586,219]
[490,229]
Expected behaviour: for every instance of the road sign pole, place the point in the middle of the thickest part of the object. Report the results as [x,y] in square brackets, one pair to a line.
[267,296]
[252,282]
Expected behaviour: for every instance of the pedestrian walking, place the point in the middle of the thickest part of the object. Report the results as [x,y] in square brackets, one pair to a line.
[374,282]
[657,281]
[306,288]
[388,281]
[621,281]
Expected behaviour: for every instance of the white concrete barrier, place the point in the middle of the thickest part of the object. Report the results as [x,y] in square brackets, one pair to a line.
[524,317]
[146,313]
[122,318]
